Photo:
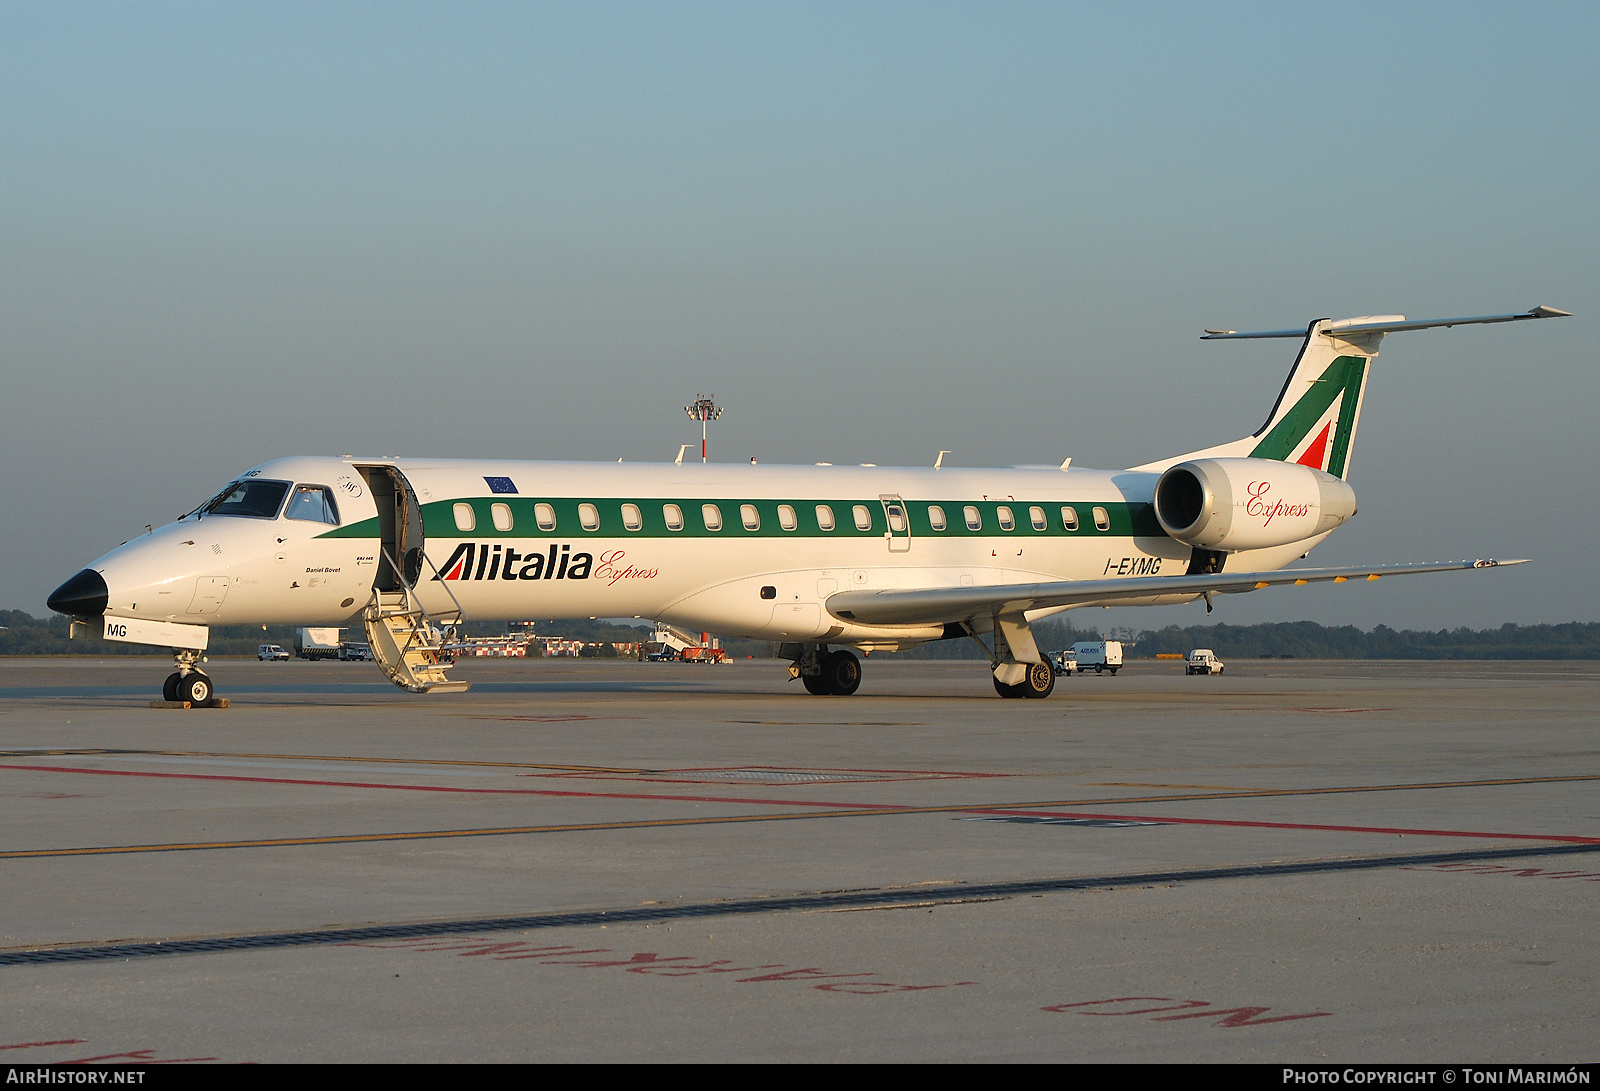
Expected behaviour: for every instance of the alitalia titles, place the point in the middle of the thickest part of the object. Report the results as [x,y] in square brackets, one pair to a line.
[483,561]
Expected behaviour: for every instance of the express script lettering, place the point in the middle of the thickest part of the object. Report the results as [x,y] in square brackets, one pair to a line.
[1260,506]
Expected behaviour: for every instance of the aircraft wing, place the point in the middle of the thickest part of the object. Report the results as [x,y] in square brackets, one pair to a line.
[943,605]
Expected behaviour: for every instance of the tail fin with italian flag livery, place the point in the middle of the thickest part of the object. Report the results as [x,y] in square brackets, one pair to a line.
[1315,419]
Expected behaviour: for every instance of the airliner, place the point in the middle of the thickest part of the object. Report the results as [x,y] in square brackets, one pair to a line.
[823,560]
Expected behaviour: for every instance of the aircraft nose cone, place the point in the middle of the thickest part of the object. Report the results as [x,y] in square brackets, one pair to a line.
[84,595]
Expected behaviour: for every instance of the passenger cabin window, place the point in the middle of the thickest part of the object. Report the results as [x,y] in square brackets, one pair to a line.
[589,516]
[1008,521]
[824,517]
[786,517]
[897,517]
[974,520]
[1037,518]
[632,518]
[466,518]
[501,514]
[545,516]
[673,515]
[1102,520]
[253,498]
[1069,518]
[712,516]
[936,518]
[750,517]
[863,517]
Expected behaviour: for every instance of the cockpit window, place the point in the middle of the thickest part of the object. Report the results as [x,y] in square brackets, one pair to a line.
[253,497]
[314,504]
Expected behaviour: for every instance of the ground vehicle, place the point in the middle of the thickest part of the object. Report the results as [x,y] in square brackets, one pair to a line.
[703,655]
[317,644]
[1063,663]
[355,650]
[270,652]
[1098,655]
[1202,661]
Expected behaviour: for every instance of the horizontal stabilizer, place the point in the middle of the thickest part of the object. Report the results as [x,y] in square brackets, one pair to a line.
[943,605]
[1389,324]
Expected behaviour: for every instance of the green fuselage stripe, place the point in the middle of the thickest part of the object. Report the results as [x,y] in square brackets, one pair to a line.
[439,519]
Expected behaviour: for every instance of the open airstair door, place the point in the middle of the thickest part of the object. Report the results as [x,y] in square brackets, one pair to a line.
[407,643]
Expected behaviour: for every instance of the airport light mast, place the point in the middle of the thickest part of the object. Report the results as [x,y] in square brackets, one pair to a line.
[703,410]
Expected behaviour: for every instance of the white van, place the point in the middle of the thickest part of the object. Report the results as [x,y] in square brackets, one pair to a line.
[269,652]
[1098,655]
[1202,661]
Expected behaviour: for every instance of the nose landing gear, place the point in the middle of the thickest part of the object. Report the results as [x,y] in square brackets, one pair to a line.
[188,683]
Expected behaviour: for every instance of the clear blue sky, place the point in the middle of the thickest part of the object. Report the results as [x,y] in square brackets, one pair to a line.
[230,232]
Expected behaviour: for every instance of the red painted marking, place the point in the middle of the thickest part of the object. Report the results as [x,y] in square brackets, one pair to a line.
[1232,1017]
[1513,872]
[143,1056]
[455,791]
[1128,1000]
[1317,453]
[62,1042]
[1392,830]
[886,808]
[539,719]
[652,964]
[1240,1017]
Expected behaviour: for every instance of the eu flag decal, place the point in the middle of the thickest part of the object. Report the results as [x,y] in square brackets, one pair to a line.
[500,484]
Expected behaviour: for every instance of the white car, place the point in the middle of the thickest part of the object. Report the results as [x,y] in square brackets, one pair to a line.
[270,651]
[1063,663]
[1202,661]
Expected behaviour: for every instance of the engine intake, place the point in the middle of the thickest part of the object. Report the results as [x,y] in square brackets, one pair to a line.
[1249,503]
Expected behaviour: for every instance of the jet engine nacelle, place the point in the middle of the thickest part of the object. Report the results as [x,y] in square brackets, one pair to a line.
[1249,503]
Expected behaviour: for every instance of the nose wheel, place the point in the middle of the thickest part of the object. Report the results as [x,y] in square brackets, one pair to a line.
[188,683]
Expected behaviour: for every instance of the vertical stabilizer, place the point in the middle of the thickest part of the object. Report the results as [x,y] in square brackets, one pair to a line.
[1314,419]
[1314,422]
[1319,408]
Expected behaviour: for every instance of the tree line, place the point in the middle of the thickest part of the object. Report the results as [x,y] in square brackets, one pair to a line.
[25,634]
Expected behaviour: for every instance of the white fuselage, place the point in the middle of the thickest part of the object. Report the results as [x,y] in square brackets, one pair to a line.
[612,549]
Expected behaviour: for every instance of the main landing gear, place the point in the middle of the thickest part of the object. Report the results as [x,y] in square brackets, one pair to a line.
[827,674]
[1040,681]
[188,683]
